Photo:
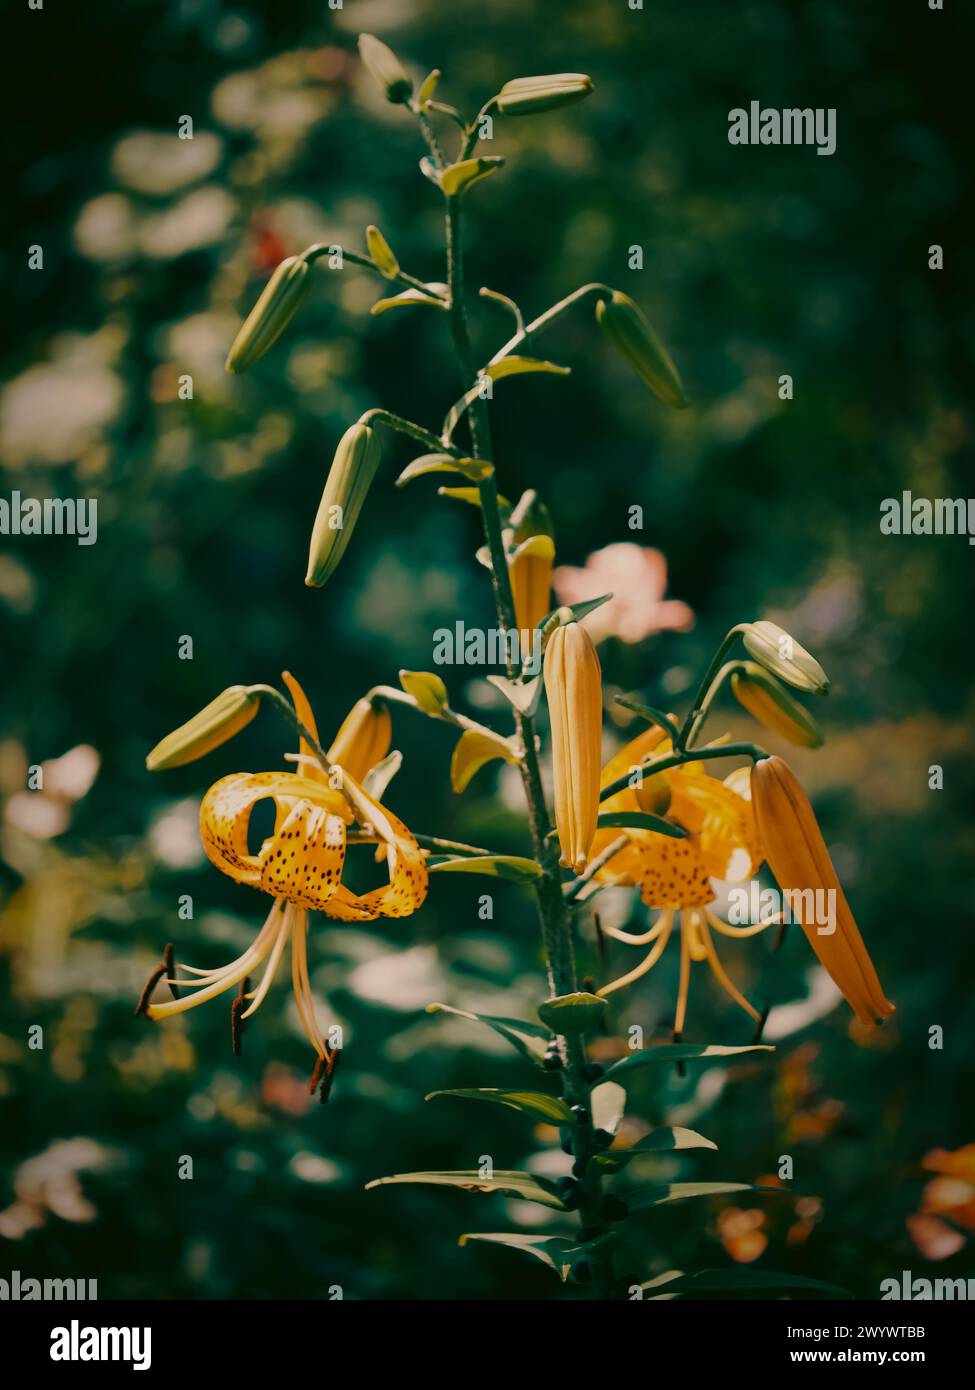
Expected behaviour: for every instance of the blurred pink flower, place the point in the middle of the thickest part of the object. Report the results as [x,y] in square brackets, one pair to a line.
[636,576]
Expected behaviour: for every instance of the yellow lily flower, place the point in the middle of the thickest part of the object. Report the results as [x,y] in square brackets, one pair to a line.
[675,874]
[299,865]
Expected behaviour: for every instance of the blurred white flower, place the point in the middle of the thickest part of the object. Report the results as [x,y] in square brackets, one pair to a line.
[157,163]
[200,219]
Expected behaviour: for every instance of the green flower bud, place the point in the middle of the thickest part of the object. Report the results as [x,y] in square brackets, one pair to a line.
[349,479]
[527,95]
[627,329]
[274,310]
[381,253]
[386,68]
[223,717]
[781,654]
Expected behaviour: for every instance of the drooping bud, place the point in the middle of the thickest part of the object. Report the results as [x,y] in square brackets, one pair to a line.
[386,68]
[381,253]
[573,687]
[231,711]
[766,700]
[631,335]
[278,303]
[526,96]
[363,739]
[530,567]
[798,857]
[349,479]
[781,654]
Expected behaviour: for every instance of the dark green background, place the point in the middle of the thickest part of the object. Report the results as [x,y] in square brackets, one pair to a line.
[758,262]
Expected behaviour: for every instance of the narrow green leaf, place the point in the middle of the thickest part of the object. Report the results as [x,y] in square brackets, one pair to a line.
[512,867]
[667,1138]
[660,1195]
[518,366]
[530,1039]
[444,463]
[511,1183]
[743,1279]
[552,1109]
[409,299]
[681,1052]
[556,1252]
[640,820]
[579,610]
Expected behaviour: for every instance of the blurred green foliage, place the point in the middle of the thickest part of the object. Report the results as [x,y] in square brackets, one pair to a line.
[758,262]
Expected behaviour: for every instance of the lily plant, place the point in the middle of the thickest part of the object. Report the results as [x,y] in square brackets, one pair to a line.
[653,819]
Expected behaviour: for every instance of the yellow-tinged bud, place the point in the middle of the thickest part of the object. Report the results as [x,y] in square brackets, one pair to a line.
[530,567]
[573,687]
[653,795]
[799,859]
[278,303]
[386,68]
[525,96]
[768,701]
[530,573]
[784,657]
[231,711]
[349,479]
[627,329]
[363,739]
[381,253]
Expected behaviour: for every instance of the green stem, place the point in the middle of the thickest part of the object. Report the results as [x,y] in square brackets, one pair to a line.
[553,915]
[314,253]
[705,685]
[548,317]
[396,422]
[696,724]
[655,765]
[446,715]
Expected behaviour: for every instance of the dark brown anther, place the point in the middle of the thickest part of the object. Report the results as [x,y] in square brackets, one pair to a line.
[780,936]
[681,1069]
[760,1025]
[600,938]
[169,960]
[150,985]
[236,1009]
[324,1074]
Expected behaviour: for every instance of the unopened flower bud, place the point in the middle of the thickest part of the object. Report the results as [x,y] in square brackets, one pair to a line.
[525,96]
[627,329]
[573,686]
[766,700]
[278,303]
[386,68]
[363,739]
[231,711]
[798,857]
[349,479]
[784,657]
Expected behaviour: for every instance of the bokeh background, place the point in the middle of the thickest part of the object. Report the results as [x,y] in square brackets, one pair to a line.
[757,262]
